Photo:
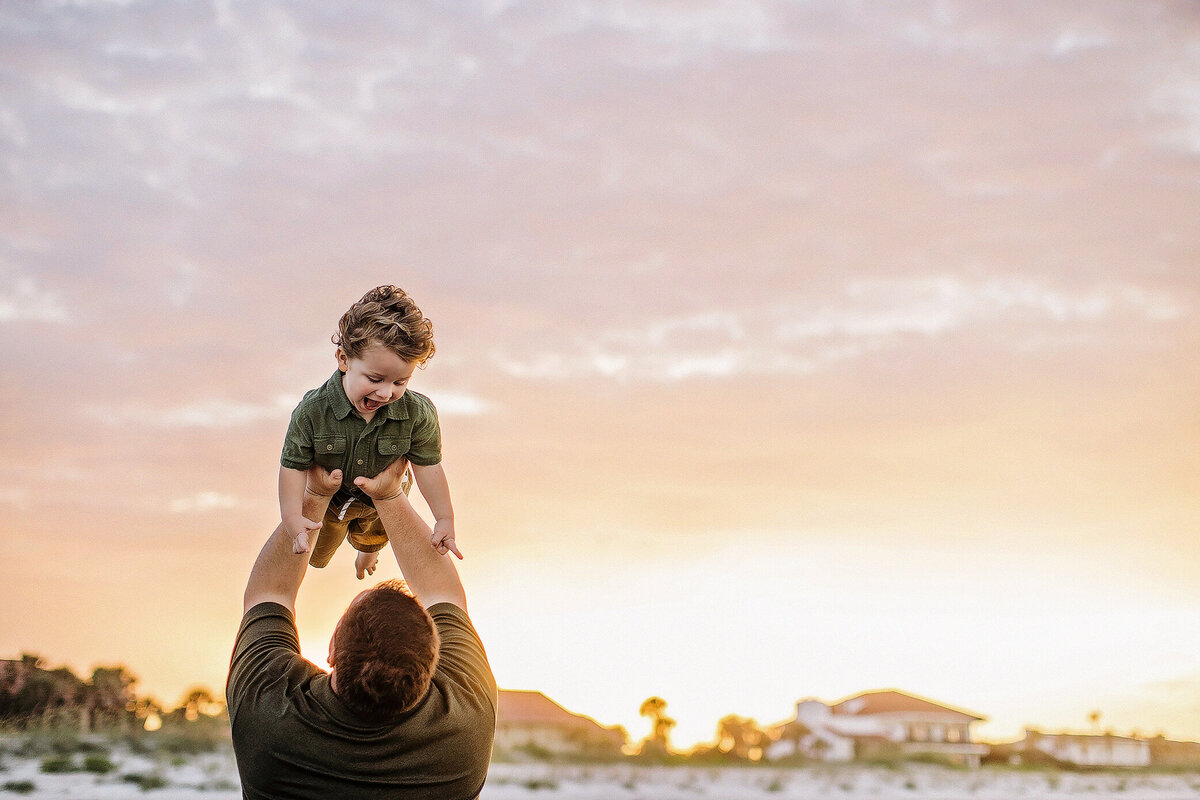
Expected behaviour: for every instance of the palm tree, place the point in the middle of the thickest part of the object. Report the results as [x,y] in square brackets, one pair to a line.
[660,725]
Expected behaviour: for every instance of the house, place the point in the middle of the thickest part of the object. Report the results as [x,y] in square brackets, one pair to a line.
[533,723]
[1086,749]
[878,724]
[1167,753]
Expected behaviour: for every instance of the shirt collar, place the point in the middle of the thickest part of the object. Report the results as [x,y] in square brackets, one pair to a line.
[335,393]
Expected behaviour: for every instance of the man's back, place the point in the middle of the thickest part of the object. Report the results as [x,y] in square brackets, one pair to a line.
[295,738]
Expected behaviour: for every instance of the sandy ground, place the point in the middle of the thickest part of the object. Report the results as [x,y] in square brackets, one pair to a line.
[214,777]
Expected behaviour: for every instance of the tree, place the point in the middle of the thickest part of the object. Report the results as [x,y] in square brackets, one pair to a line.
[112,699]
[658,742]
[741,737]
[197,701]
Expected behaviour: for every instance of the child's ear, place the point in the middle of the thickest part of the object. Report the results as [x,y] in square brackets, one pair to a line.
[343,362]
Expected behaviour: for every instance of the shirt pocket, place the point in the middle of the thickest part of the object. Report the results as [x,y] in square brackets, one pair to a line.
[388,449]
[329,451]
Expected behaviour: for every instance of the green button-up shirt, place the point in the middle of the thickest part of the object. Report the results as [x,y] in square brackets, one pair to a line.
[326,430]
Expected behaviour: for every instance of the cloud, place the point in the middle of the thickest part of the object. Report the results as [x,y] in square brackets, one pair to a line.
[25,302]
[204,501]
[459,404]
[867,316]
[214,413]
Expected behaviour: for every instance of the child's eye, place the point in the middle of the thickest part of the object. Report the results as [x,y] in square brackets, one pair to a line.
[373,380]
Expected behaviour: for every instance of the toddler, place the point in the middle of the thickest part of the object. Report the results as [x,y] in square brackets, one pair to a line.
[361,420]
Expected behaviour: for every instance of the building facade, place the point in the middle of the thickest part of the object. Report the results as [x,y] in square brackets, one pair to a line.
[878,724]
[1087,750]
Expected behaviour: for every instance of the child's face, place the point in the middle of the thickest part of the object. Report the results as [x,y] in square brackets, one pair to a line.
[376,379]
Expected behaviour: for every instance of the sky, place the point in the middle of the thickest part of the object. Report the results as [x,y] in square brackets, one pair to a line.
[786,349]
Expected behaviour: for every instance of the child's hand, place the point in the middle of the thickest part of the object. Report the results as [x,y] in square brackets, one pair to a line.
[442,538]
[299,527]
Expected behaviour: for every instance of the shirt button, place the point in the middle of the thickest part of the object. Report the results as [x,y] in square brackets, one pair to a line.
[328,447]
[395,447]
[360,461]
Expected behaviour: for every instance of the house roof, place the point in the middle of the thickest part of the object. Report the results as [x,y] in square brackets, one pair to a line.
[534,708]
[891,701]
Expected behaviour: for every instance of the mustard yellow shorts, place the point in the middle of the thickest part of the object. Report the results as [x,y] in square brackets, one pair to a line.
[350,518]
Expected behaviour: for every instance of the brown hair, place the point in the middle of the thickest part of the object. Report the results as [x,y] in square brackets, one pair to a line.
[386,316]
[384,653]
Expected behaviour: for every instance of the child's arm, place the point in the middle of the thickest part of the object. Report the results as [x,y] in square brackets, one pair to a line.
[291,502]
[436,490]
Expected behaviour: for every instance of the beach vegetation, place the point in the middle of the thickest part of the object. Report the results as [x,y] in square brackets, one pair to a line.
[58,764]
[98,764]
[533,784]
[19,787]
[145,781]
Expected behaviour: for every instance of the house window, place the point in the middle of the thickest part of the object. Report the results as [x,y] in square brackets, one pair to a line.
[918,732]
[937,733]
[955,734]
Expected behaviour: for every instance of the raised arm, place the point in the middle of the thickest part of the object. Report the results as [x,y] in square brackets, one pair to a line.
[432,577]
[278,571]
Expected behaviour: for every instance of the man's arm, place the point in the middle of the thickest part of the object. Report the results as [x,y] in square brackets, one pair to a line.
[432,577]
[278,571]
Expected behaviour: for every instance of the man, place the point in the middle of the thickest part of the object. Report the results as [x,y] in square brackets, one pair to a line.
[408,707]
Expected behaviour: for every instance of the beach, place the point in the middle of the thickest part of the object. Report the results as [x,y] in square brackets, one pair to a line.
[213,776]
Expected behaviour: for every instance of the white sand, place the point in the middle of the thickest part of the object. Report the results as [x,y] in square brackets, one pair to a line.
[214,777]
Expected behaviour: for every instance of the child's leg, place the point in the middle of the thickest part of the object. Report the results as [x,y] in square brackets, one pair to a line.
[329,537]
[367,536]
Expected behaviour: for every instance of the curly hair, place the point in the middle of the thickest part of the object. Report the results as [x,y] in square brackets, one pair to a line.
[384,653]
[388,317]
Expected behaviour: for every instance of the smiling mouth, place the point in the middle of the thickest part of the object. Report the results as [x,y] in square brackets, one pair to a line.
[371,405]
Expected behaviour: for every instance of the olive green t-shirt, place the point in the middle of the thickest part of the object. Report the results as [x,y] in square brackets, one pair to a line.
[325,429]
[294,738]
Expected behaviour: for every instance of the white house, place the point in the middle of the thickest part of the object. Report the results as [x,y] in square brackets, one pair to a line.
[879,723]
[533,723]
[1088,749]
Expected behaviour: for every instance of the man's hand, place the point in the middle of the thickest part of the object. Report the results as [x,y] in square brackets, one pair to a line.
[385,485]
[322,483]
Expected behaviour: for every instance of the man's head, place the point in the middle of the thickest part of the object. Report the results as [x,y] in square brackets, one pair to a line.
[384,652]
[386,317]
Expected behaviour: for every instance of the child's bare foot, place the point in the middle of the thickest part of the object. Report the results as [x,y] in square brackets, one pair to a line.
[365,563]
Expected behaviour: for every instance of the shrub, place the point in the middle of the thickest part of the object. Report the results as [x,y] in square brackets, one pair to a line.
[98,764]
[540,783]
[145,782]
[58,764]
[20,787]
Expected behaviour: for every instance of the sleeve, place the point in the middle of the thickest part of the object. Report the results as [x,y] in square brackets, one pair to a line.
[461,657]
[298,441]
[425,449]
[267,642]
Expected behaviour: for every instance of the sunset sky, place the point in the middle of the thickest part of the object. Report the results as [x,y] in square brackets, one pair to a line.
[785,348]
